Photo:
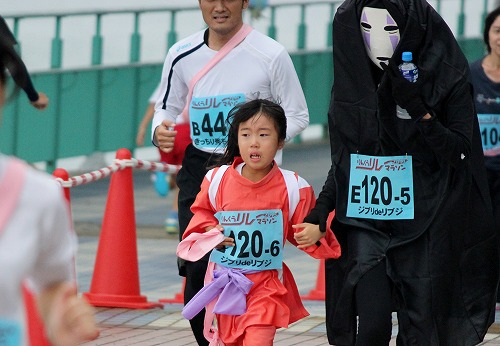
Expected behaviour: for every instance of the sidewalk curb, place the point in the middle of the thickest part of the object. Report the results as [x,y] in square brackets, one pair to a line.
[92,229]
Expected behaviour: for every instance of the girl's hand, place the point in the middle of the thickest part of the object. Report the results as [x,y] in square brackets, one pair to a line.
[309,235]
[226,242]
[219,227]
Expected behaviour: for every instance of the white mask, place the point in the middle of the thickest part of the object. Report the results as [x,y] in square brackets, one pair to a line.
[380,34]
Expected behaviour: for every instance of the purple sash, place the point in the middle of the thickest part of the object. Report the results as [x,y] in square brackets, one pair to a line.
[230,286]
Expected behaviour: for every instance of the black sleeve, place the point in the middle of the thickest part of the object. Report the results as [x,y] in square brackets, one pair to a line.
[328,195]
[451,138]
[16,66]
[5,33]
[29,88]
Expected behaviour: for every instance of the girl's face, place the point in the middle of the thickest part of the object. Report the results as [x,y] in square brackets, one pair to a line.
[258,143]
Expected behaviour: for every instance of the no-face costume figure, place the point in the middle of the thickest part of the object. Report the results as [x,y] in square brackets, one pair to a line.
[439,264]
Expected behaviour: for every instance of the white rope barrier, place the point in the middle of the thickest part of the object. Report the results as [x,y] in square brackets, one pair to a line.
[118,164]
[155,166]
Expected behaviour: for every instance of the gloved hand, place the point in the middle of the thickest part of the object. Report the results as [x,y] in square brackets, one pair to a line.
[318,216]
[405,93]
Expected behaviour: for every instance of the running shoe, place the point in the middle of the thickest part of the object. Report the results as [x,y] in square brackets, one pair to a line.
[172,223]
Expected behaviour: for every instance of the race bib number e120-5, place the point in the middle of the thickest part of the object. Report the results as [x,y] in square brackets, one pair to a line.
[208,116]
[258,238]
[381,187]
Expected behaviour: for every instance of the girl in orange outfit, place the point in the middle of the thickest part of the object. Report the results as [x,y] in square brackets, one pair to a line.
[254,203]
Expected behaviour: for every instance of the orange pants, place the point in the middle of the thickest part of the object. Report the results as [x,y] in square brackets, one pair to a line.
[259,335]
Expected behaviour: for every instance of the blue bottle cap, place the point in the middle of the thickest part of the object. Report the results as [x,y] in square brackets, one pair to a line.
[407,56]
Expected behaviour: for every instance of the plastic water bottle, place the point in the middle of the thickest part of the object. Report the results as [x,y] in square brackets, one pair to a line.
[410,71]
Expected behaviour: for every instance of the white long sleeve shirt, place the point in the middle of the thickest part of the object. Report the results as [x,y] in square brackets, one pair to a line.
[259,67]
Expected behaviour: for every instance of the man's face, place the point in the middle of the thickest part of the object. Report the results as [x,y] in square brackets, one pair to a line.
[380,34]
[224,17]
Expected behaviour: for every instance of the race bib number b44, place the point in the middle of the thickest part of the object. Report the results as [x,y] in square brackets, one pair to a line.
[207,116]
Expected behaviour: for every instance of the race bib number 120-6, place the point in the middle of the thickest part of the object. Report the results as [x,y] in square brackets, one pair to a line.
[258,238]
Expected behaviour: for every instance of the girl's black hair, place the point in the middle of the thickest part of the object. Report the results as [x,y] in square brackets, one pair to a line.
[488,22]
[244,112]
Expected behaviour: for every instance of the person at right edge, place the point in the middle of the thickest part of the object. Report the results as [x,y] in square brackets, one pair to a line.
[204,76]
[413,213]
[485,74]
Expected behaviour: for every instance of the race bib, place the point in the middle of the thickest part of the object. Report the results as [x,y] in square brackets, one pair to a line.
[381,187]
[489,125]
[207,116]
[258,238]
[10,333]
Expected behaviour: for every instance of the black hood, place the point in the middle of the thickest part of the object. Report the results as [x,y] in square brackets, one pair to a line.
[423,32]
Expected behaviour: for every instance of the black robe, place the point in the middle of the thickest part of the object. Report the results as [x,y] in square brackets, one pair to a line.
[444,262]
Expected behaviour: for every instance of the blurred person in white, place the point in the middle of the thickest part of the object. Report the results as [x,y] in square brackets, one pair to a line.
[37,248]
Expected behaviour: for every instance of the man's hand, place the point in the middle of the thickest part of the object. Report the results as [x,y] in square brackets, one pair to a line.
[165,135]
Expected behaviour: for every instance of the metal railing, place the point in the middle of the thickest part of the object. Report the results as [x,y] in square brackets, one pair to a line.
[104,65]
[465,18]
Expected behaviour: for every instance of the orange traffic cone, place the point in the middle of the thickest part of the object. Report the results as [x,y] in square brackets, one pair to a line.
[115,282]
[35,326]
[318,293]
[178,298]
